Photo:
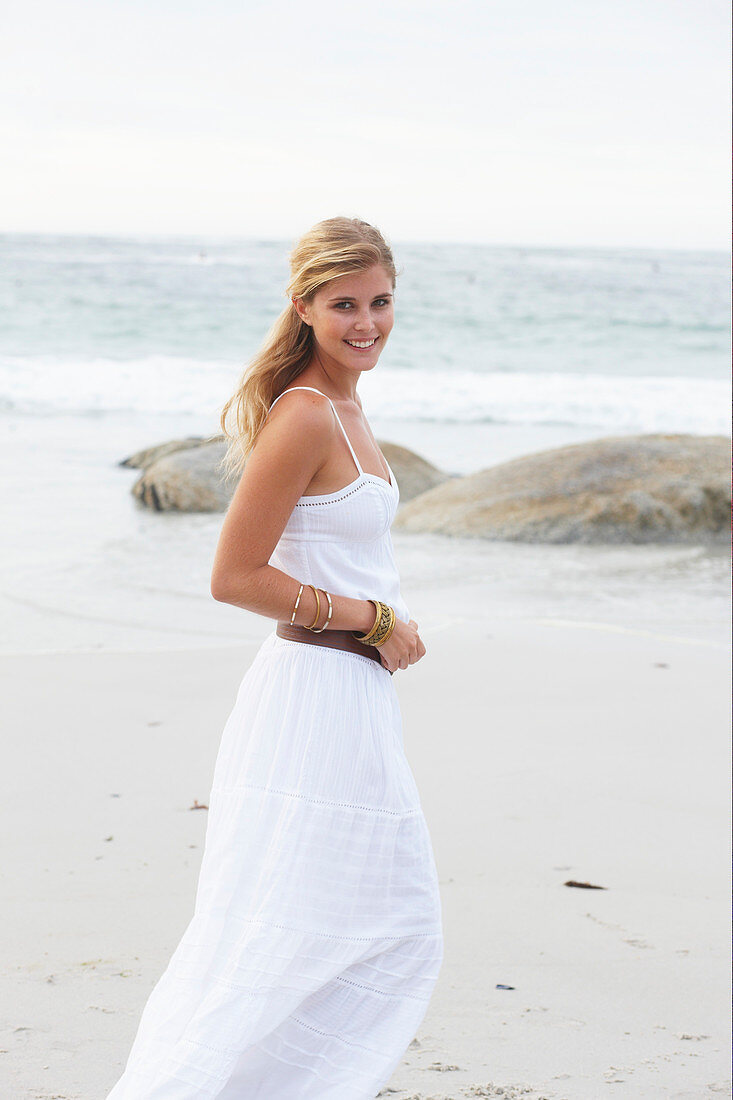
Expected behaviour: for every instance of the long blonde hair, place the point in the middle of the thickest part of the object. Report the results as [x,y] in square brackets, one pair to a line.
[335,247]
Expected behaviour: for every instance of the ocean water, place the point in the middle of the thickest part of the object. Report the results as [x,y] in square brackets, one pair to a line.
[613,340]
[110,345]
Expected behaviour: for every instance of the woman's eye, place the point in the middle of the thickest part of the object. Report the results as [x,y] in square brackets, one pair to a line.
[343,306]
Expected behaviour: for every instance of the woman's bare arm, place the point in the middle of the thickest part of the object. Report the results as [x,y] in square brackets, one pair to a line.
[291,447]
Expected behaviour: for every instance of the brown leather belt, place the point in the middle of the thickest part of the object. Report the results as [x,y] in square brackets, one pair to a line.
[332,639]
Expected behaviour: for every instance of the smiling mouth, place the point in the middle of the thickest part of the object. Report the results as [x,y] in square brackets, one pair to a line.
[362,344]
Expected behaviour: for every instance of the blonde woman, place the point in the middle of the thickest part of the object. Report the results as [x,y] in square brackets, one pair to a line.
[316,939]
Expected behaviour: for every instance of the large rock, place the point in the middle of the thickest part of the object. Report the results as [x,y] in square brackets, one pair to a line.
[183,476]
[187,480]
[415,475]
[622,489]
[142,459]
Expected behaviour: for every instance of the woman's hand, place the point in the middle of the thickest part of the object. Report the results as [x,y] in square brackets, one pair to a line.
[403,647]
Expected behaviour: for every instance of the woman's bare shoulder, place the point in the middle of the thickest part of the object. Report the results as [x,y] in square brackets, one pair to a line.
[302,416]
[294,402]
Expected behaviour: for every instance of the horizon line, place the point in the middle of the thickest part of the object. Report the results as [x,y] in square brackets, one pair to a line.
[237,237]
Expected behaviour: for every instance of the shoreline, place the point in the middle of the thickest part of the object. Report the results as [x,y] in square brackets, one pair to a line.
[86,568]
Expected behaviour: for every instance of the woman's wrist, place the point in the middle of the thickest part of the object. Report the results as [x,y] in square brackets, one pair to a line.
[352,614]
[347,612]
[382,627]
[367,613]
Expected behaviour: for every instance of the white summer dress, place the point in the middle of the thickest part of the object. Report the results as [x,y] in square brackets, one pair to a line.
[316,939]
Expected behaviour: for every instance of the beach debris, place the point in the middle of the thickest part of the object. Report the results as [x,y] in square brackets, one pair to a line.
[415,1043]
[107,839]
[198,805]
[661,664]
[584,885]
[500,986]
[655,488]
[507,1092]
[439,1067]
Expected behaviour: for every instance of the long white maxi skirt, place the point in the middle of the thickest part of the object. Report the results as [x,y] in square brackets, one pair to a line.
[316,939]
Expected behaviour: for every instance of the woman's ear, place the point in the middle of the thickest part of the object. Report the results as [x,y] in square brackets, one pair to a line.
[301,309]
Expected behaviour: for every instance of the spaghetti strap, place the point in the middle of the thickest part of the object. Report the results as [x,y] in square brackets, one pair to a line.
[338,418]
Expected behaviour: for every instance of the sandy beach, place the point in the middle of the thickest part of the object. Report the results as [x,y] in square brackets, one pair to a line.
[570,721]
[545,749]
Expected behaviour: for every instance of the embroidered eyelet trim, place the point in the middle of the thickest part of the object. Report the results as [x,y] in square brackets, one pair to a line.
[381,992]
[331,1034]
[331,500]
[343,652]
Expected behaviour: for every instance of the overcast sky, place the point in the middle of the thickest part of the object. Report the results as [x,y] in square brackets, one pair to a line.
[505,121]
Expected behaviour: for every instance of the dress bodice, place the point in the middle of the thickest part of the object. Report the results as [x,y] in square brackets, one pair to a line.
[342,541]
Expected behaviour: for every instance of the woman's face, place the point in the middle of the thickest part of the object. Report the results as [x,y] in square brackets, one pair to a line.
[351,317]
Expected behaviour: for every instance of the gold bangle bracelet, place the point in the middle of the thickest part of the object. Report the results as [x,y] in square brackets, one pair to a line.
[383,626]
[390,628]
[318,606]
[386,626]
[328,617]
[297,601]
[370,633]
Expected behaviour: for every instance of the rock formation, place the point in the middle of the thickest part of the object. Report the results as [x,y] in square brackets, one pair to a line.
[621,489]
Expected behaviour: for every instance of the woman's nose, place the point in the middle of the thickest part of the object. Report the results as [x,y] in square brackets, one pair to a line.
[363,320]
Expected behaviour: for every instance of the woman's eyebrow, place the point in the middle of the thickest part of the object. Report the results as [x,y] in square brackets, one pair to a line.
[346,298]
